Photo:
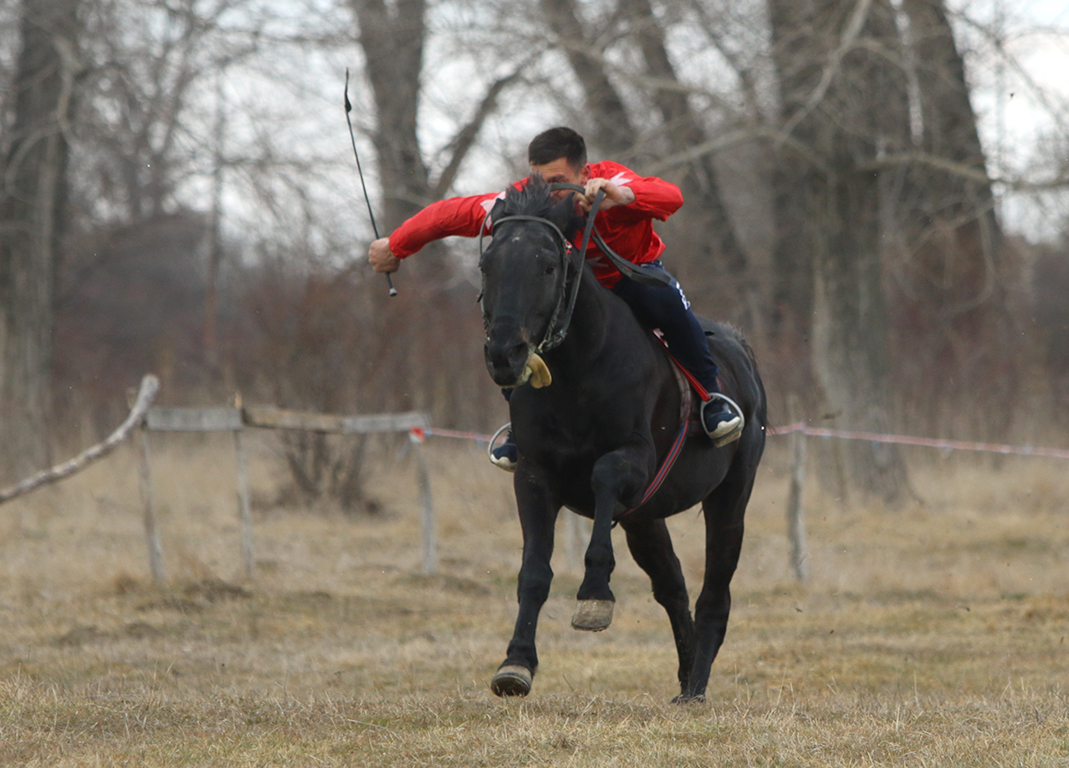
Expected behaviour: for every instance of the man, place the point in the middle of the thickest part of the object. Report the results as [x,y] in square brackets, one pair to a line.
[625,221]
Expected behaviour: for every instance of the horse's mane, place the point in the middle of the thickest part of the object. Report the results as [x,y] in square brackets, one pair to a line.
[533,198]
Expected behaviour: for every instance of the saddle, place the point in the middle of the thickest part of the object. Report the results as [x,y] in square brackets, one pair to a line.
[689,399]
[689,386]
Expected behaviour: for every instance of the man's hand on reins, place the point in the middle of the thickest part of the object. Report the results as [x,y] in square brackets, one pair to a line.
[614,195]
[381,257]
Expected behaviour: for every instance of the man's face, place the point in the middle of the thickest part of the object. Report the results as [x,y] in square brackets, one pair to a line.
[560,171]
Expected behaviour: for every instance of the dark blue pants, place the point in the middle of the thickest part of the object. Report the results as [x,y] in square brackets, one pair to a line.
[666,307]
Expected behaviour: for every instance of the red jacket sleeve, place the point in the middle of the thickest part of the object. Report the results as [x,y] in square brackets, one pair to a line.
[462,216]
[654,197]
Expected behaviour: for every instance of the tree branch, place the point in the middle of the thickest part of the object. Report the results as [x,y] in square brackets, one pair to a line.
[833,65]
[465,138]
[961,170]
[734,138]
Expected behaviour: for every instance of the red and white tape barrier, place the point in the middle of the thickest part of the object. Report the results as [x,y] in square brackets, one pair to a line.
[927,442]
[842,434]
[477,436]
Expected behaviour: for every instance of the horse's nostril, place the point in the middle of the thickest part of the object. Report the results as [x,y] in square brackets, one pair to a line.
[518,354]
[506,356]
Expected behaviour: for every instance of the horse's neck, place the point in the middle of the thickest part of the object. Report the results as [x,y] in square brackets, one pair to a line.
[588,332]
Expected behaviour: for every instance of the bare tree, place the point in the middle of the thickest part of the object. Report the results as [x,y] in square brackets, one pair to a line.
[847,105]
[434,305]
[712,231]
[614,132]
[950,268]
[33,200]
[798,73]
[393,37]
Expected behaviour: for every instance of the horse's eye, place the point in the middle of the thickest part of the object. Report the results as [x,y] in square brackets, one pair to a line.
[550,269]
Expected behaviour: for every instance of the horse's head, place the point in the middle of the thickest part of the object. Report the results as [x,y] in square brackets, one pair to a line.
[526,272]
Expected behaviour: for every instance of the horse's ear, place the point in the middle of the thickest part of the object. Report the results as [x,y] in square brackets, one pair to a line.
[565,215]
[496,214]
[498,211]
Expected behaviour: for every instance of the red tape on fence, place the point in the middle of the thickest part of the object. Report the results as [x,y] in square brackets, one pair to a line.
[845,434]
[927,442]
[459,435]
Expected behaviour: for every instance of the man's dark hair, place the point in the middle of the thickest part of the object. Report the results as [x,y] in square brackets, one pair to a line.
[556,143]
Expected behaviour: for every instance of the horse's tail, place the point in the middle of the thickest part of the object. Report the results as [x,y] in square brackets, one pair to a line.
[741,339]
[715,328]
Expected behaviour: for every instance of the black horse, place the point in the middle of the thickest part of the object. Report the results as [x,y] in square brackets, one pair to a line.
[594,432]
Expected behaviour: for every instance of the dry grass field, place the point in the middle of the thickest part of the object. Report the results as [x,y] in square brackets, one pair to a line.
[929,636]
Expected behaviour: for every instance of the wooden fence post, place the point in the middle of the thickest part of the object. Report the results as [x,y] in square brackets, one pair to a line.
[571,540]
[243,503]
[795,513]
[423,478]
[236,419]
[577,531]
[152,531]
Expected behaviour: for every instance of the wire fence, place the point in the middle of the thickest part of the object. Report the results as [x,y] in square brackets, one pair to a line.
[237,419]
[801,427]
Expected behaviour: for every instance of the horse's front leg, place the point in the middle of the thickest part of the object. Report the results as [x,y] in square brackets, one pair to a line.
[618,476]
[538,514]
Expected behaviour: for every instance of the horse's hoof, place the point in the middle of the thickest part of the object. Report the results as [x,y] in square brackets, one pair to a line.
[689,698]
[511,680]
[592,615]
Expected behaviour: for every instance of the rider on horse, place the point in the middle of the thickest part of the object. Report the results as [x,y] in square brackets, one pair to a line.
[625,221]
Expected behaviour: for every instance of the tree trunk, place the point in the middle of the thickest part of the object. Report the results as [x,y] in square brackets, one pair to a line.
[797,53]
[393,44]
[846,106]
[32,215]
[951,269]
[428,343]
[850,353]
[706,213]
[614,134]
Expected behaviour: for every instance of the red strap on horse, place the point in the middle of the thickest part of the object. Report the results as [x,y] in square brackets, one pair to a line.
[703,393]
[662,473]
[681,437]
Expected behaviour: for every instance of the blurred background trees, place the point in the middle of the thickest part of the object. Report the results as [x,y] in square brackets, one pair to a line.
[875,193]
[33,219]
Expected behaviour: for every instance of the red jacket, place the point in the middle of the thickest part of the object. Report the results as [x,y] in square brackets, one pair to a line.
[627,229]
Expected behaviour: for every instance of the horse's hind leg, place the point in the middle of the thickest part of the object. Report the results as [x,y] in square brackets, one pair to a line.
[724,510]
[538,513]
[651,546]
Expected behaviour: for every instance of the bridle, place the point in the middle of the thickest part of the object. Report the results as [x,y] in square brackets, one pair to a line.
[561,319]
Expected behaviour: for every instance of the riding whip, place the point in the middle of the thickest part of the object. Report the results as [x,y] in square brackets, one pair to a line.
[367,199]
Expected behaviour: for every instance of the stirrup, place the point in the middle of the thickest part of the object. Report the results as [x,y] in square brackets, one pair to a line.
[726,432]
[502,462]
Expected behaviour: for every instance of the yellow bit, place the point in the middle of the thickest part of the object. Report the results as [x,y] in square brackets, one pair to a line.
[540,375]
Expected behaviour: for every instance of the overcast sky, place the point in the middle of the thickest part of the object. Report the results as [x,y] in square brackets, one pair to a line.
[1021,104]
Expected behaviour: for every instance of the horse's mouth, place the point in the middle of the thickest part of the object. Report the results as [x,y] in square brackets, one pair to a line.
[532,370]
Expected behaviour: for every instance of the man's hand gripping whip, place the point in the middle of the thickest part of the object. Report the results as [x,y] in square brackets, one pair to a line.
[367,199]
